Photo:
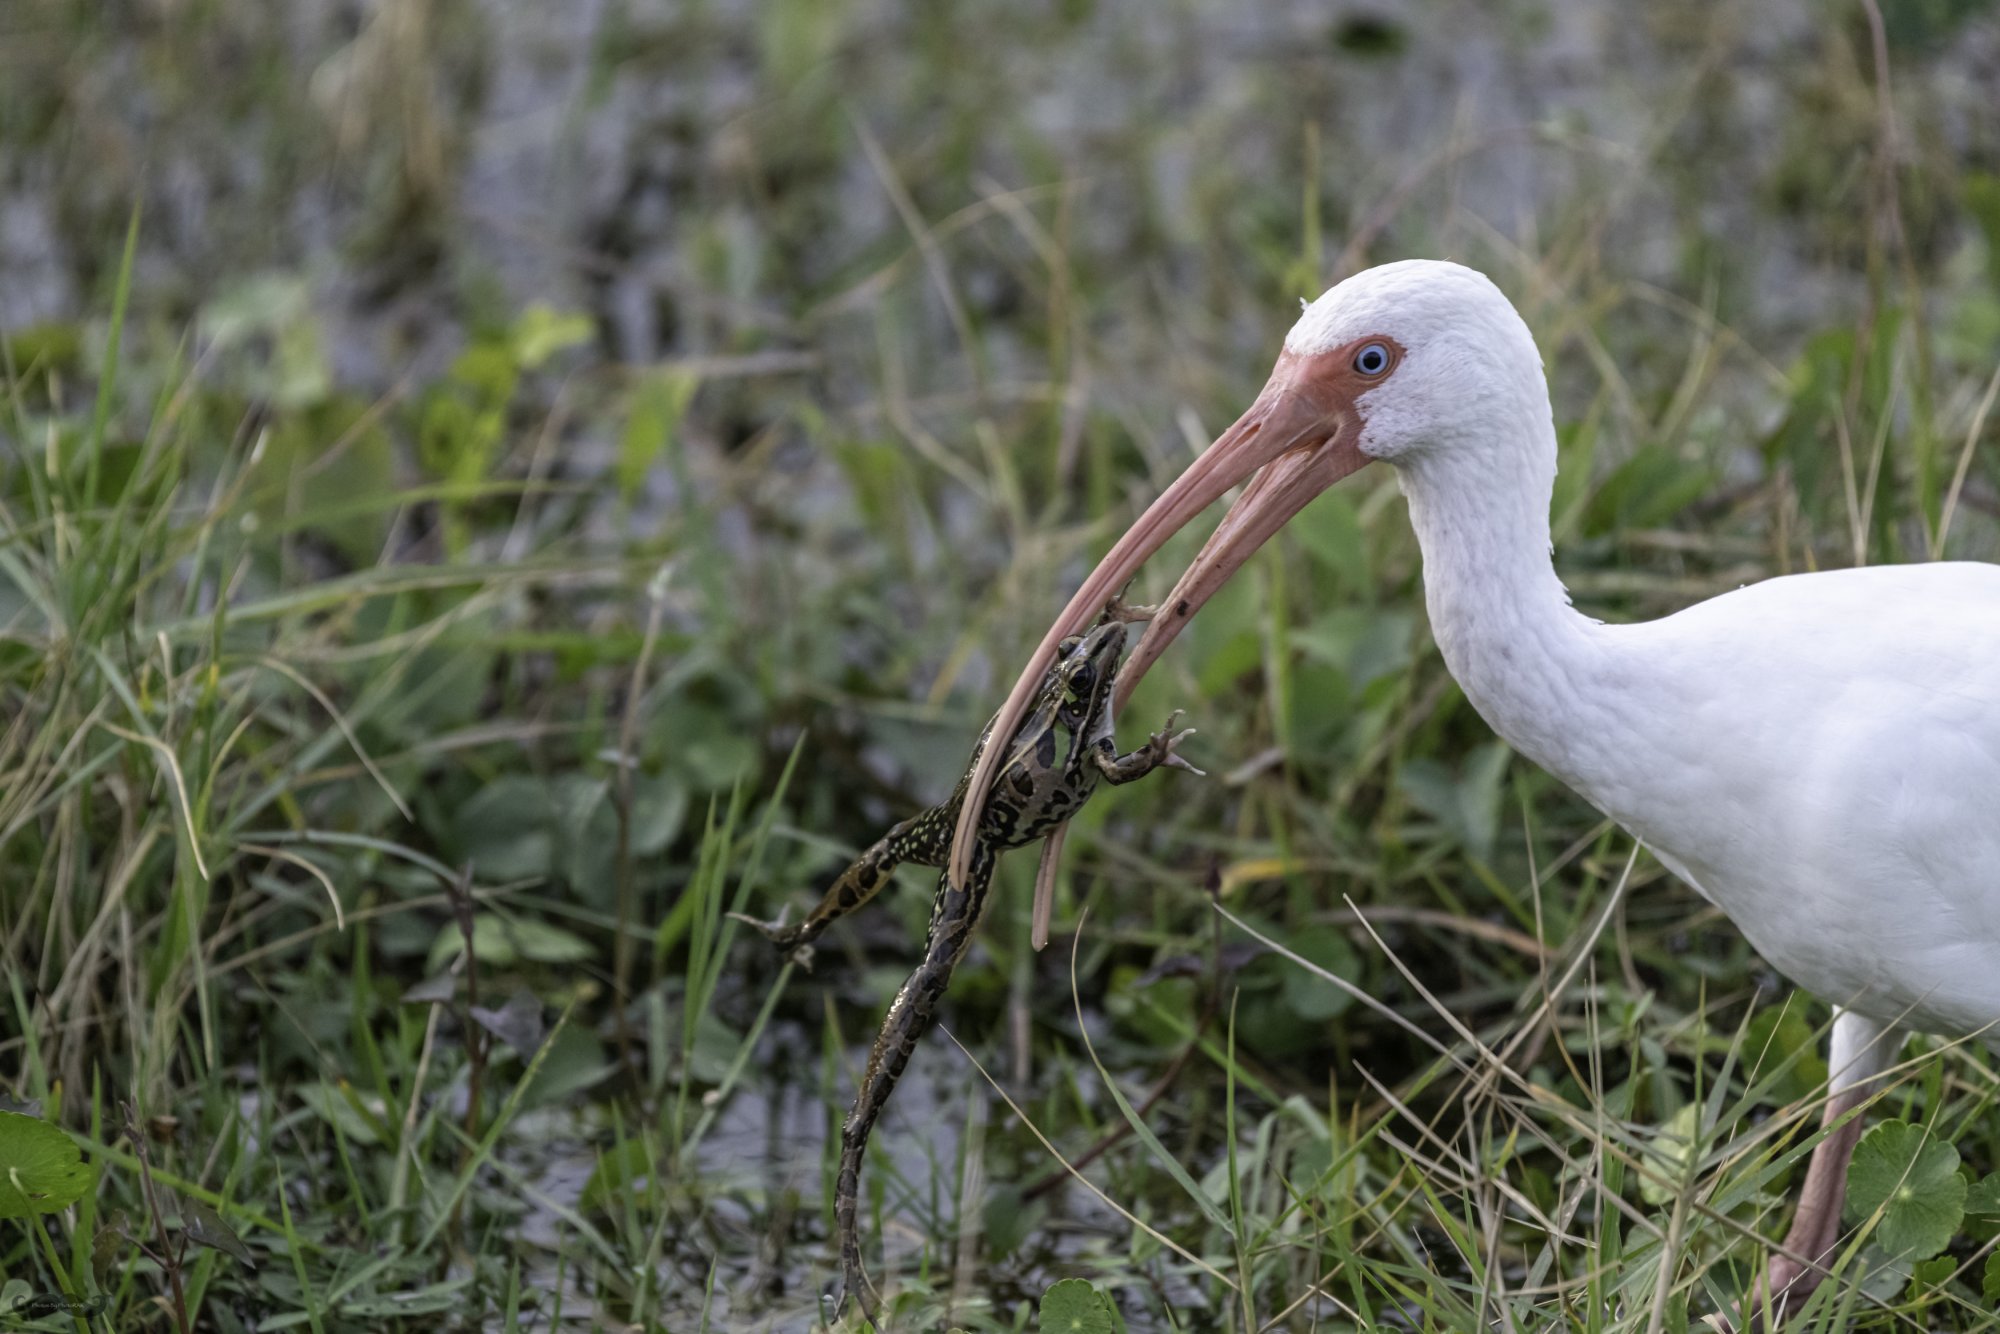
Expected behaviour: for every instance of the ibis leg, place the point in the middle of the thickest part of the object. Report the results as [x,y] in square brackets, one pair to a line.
[1862,1049]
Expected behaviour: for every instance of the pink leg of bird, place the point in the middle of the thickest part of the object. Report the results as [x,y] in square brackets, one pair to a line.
[1862,1050]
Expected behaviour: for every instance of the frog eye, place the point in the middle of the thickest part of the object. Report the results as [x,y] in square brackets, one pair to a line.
[1080,681]
[1068,644]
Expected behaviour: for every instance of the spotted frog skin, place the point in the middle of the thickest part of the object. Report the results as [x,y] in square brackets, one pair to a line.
[1059,755]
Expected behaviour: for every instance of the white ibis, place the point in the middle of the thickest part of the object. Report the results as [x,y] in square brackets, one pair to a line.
[1818,755]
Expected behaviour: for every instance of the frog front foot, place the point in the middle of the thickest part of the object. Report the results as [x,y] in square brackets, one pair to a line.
[1126,613]
[1161,746]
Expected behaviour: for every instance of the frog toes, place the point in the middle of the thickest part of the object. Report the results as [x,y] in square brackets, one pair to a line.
[1166,740]
[774,930]
[768,928]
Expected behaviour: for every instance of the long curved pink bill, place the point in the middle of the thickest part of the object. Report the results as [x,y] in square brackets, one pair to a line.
[1280,420]
[1285,486]
[1194,491]
[1045,883]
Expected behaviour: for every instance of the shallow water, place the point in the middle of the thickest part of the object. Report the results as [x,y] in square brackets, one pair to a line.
[667,167]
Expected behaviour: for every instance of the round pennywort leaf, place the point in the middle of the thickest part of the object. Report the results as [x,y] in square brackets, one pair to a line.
[41,1168]
[1073,1306]
[1913,1179]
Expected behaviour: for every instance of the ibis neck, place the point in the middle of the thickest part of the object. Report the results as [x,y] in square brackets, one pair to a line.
[1499,613]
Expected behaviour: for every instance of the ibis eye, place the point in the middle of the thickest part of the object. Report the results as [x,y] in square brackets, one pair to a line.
[1372,359]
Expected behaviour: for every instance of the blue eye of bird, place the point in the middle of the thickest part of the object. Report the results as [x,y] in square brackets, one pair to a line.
[1372,359]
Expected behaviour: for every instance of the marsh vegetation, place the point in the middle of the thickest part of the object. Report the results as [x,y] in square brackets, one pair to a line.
[487,489]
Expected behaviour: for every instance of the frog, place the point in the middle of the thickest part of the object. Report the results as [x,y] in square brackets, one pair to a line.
[1040,789]
[1057,760]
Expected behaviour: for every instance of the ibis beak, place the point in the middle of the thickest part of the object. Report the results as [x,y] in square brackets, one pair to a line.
[1283,488]
[1303,432]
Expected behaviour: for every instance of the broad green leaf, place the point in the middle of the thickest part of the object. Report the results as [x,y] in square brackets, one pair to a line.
[574,1061]
[1467,803]
[704,743]
[1913,1179]
[715,1047]
[1929,1274]
[262,333]
[205,1227]
[1984,1198]
[46,347]
[544,943]
[518,1023]
[1365,644]
[1334,535]
[113,1239]
[439,990]
[1673,1147]
[361,1124]
[1073,1306]
[586,834]
[499,941]
[1644,491]
[796,36]
[348,497]
[1778,1034]
[41,1168]
[1009,1218]
[1982,1210]
[659,809]
[488,370]
[489,944]
[660,401]
[1989,1282]
[542,331]
[1309,996]
[1161,1010]
[506,828]
[618,1173]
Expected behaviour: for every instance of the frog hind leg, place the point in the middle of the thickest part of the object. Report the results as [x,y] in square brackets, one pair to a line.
[954,918]
[863,879]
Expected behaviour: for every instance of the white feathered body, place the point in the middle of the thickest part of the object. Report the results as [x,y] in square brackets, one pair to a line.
[1819,755]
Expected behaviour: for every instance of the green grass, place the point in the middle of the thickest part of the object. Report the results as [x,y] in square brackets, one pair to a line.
[505,683]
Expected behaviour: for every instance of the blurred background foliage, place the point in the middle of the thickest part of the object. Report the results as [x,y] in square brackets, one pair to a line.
[452,433]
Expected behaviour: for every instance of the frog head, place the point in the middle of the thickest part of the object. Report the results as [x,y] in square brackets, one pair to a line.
[1080,683]
[1043,781]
